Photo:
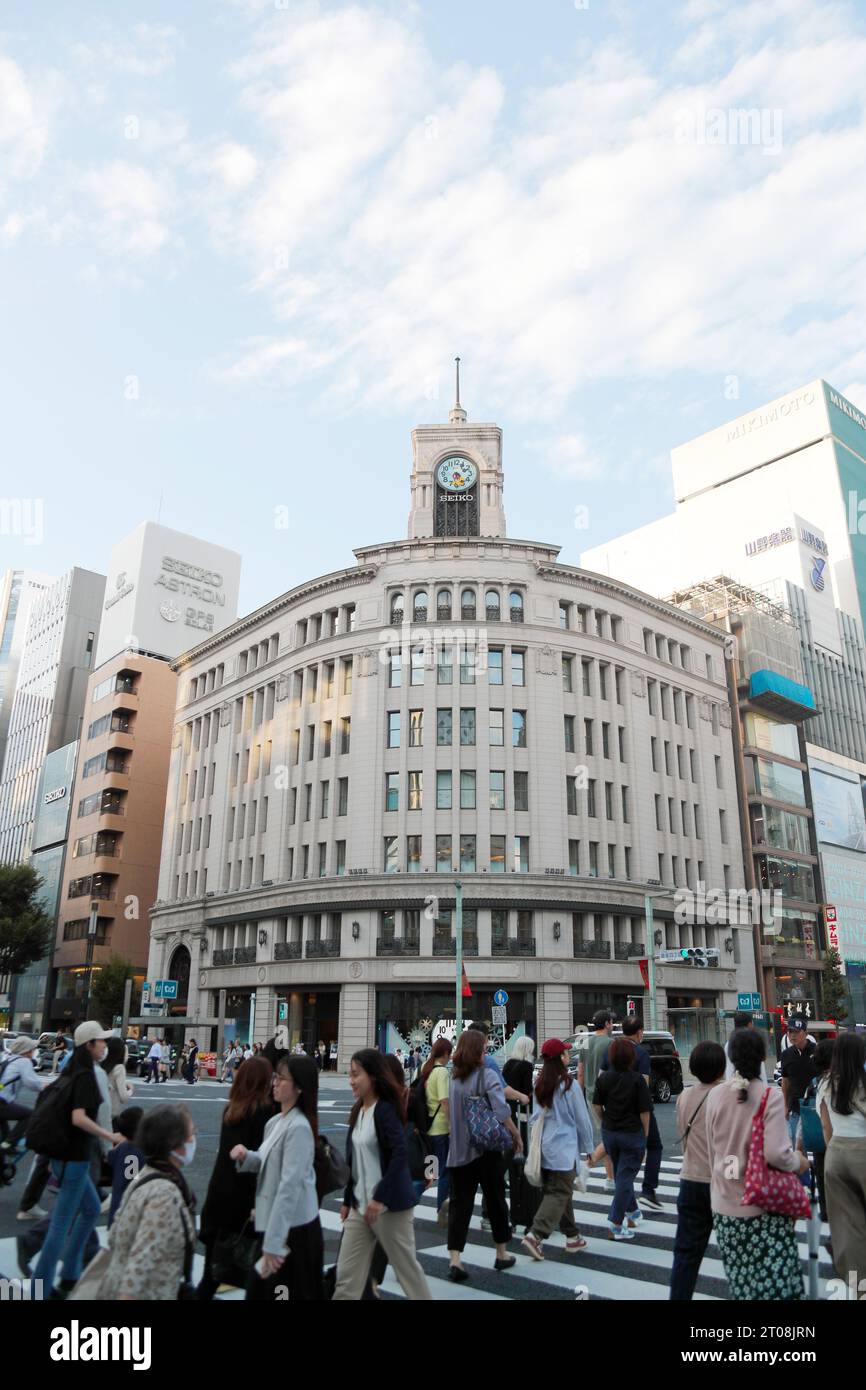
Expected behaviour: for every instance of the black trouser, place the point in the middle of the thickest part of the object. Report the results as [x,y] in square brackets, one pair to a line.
[207,1285]
[488,1171]
[694,1228]
[36,1183]
[300,1274]
[11,1110]
[819,1178]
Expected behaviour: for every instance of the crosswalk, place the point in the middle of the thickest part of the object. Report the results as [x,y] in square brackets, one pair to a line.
[637,1270]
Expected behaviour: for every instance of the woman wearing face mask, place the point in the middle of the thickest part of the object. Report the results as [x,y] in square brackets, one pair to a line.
[290,1246]
[76,1208]
[152,1238]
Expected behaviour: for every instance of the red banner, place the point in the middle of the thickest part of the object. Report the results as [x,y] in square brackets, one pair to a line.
[644,970]
[467,992]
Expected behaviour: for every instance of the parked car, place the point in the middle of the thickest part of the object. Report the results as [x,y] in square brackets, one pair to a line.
[45,1053]
[666,1071]
[133,1056]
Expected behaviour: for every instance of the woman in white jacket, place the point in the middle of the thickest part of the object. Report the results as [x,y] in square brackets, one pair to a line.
[290,1247]
[120,1090]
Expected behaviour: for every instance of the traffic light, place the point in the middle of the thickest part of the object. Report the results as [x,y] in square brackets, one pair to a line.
[630,1007]
[696,954]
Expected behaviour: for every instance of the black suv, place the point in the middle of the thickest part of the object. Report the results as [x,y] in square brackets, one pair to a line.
[666,1074]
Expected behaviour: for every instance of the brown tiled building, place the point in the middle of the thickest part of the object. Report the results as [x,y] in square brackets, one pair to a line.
[115,832]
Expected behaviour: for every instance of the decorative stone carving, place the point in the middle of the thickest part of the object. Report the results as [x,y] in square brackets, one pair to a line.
[262,974]
[368,661]
[556,971]
[356,970]
[225,714]
[725,716]
[176,736]
[705,709]
[202,980]
[638,684]
[547,662]
[282,687]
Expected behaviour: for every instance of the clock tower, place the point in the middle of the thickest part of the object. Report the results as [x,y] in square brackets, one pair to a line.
[456,478]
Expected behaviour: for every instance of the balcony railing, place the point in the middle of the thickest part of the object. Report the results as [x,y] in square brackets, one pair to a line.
[394,946]
[317,950]
[447,946]
[592,950]
[287,950]
[623,950]
[517,614]
[237,955]
[514,946]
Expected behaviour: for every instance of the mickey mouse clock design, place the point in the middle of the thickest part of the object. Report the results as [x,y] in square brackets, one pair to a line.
[456,474]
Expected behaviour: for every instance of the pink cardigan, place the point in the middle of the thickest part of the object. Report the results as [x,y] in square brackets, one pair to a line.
[729,1131]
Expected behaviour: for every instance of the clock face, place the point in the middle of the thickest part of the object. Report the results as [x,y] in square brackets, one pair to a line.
[456,474]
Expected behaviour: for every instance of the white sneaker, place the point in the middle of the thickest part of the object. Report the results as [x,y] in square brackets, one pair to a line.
[34,1214]
[619,1232]
[610,1185]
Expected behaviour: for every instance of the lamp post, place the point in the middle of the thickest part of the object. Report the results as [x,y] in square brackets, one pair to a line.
[458,953]
[91,935]
[650,956]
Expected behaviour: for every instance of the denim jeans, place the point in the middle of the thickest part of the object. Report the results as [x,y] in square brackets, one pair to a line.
[694,1228]
[440,1144]
[653,1156]
[626,1151]
[75,1214]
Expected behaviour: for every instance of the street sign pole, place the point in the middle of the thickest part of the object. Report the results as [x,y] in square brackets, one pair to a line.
[127,1004]
[221,1024]
[458,953]
[650,960]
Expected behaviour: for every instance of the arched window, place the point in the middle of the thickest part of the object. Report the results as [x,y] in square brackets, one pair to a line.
[396,609]
[467,603]
[179,970]
[443,604]
[419,607]
[515,603]
[491,605]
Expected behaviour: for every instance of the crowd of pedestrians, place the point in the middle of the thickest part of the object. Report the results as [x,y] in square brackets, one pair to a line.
[453,1122]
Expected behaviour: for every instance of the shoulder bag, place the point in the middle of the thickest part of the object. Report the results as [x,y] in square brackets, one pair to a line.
[485,1131]
[532,1166]
[778,1193]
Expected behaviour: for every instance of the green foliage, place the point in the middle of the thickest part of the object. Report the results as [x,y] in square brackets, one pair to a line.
[26,930]
[106,994]
[834,999]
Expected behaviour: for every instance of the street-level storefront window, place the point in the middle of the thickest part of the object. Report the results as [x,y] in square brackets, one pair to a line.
[416,1018]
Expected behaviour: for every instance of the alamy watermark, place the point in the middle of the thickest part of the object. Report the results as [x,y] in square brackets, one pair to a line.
[733,125]
[742,907]
[24,517]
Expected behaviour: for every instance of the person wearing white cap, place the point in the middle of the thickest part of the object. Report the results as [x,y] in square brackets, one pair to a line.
[20,1076]
[77,1206]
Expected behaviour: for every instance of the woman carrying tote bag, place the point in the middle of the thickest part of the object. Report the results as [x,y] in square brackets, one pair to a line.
[758,1246]
[561,1131]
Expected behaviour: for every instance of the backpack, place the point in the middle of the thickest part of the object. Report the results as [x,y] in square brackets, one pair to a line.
[417,1111]
[48,1130]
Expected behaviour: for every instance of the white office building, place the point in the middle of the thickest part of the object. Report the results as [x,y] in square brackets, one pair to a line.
[454,705]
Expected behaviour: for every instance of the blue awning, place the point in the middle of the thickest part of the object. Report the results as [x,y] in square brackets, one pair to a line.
[781,695]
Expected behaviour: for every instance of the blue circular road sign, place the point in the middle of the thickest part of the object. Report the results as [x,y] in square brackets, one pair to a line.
[500,997]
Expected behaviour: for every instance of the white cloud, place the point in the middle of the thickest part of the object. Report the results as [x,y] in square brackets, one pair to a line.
[149,53]
[131,205]
[23,124]
[568,456]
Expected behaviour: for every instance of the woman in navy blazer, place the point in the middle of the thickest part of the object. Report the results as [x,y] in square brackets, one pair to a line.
[379,1201]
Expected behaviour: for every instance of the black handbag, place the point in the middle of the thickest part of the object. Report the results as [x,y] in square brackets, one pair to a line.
[332,1171]
[233,1256]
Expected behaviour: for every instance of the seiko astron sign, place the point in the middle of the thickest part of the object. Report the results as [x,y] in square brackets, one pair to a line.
[166,590]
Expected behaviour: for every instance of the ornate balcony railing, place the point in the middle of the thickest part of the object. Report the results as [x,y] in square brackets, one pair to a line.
[287,950]
[624,950]
[396,947]
[592,950]
[317,950]
[514,946]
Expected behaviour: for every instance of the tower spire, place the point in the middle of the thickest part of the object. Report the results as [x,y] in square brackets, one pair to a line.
[458,414]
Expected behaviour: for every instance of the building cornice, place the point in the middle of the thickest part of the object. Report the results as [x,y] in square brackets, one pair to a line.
[327,583]
[600,583]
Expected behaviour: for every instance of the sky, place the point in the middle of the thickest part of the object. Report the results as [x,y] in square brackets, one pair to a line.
[241,243]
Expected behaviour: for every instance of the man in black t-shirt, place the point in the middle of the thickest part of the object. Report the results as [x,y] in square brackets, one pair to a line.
[798,1069]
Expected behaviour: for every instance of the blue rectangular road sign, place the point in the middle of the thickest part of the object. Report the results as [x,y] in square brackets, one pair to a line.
[756,1001]
[744,1001]
[165,989]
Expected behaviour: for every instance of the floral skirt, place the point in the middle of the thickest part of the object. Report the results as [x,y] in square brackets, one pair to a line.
[760,1256]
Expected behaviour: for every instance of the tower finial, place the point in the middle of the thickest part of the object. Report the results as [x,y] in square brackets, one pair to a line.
[458,414]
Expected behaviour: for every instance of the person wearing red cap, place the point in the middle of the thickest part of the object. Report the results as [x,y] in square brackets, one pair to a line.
[559,1107]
